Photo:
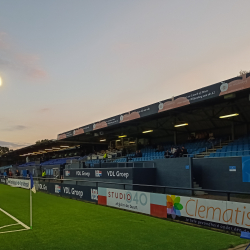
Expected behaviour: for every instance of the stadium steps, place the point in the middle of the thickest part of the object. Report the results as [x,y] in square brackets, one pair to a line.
[196,185]
[214,149]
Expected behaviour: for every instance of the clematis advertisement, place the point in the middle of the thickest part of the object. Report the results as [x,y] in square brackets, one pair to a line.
[224,215]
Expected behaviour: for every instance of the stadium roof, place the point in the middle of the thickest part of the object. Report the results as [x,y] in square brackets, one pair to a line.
[200,107]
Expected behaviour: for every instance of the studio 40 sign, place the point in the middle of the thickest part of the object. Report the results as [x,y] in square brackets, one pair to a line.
[130,200]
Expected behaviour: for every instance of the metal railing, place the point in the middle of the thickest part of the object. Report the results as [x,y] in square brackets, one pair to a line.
[185,191]
[225,195]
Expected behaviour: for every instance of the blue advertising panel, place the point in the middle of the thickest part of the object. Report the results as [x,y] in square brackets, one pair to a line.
[246,168]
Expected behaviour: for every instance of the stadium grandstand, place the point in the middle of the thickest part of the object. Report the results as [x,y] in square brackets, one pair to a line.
[196,144]
[208,122]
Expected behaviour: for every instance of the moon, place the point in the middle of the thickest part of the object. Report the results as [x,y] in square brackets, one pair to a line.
[0,81]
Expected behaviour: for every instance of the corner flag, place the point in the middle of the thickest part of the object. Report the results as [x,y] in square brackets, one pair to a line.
[32,187]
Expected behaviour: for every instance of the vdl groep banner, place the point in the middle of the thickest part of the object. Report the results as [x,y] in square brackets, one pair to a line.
[86,193]
[19,183]
[224,215]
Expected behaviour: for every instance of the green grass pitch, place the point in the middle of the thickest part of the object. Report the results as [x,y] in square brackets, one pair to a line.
[60,223]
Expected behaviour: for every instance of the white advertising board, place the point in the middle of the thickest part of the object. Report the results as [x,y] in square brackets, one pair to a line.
[130,200]
[19,183]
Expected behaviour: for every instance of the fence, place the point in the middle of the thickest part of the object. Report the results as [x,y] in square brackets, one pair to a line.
[193,192]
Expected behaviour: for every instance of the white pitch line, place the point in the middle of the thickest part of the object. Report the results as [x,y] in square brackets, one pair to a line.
[14,231]
[15,219]
[9,225]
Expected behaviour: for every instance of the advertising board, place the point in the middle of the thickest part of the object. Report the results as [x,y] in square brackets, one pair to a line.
[3,180]
[103,173]
[71,191]
[19,183]
[225,215]
[129,200]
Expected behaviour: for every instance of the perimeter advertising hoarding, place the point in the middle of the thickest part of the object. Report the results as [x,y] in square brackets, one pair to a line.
[219,89]
[71,191]
[129,200]
[3,180]
[103,173]
[19,183]
[225,215]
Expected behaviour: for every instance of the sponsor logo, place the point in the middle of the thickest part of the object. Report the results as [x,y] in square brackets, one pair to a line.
[82,173]
[174,206]
[224,86]
[130,200]
[73,192]
[42,187]
[94,194]
[57,189]
[67,173]
[160,106]
[117,174]
[98,173]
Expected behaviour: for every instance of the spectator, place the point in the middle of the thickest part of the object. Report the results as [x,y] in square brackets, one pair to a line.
[173,150]
[136,154]
[17,173]
[10,173]
[105,156]
[184,152]
[27,159]
[139,154]
[211,137]
[167,154]
[5,173]
[44,174]
[177,152]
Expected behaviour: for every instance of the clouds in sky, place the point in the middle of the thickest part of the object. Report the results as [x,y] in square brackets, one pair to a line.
[27,65]
[14,128]
[13,145]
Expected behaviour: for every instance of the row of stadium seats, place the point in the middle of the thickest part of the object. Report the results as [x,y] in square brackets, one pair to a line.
[149,153]
[31,163]
[240,147]
[59,161]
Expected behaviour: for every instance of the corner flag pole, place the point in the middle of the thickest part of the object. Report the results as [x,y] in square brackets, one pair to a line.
[30,207]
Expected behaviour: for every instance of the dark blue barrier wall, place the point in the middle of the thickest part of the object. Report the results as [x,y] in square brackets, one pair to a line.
[213,173]
[119,175]
[175,172]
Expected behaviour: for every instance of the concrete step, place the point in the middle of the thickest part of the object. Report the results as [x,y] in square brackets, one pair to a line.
[199,193]
[199,156]
[212,150]
[205,153]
